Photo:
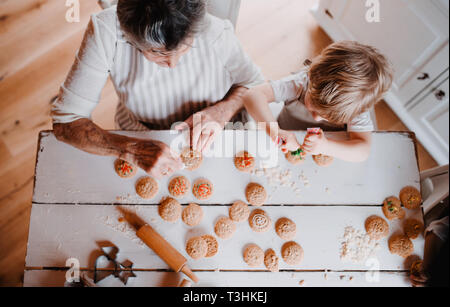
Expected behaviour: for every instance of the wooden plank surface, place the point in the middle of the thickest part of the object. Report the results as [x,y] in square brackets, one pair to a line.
[67,175]
[59,232]
[51,278]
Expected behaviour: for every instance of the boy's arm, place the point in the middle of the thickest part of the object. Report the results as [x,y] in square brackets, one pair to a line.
[356,149]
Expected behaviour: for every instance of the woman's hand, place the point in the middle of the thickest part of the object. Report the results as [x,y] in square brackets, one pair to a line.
[315,144]
[154,157]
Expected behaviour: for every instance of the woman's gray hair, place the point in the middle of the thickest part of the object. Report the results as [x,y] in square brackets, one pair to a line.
[161,23]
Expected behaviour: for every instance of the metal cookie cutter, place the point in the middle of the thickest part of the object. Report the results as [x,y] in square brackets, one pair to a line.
[123,270]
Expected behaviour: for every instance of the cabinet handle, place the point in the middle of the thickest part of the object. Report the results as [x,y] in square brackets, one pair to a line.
[424,76]
[440,95]
[329,14]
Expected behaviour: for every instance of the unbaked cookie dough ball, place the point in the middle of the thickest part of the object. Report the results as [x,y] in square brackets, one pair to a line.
[244,162]
[376,227]
[239,211]
[412,228]
[271,260]
[259,221]
[146,187]
[292,253]
[179,186]
[410,197]
[213,245]
[202,189]
[169,209]
[285,228]
[225,228]
[323,160]
[256,194]
[192,215]
[400,245]
[253,255]
[392,208]
[124,169]
[197,248]
[192,159]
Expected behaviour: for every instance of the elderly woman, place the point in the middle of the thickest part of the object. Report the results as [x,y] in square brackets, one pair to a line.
[170,62]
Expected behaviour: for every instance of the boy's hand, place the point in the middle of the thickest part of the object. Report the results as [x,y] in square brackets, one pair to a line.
[315,144]
[289,141]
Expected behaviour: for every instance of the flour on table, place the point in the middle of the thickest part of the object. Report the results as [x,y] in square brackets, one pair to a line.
[356,245]
[277,177]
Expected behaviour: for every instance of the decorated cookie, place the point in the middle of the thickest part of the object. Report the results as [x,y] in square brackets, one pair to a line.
[253,255]
[197,247]
[410,197]
[255,194]
[296,157]
[271,260]
[225,228]
[146,187]
[179,186]
[413,228]
[239,211]
[323,160]
[292,253]
[285,228]
[213,245]
[244,162]
[192,159]
[259,221]
[124,169]
[169,209]
[192,215]
[376,227]
[202,189]
[392,208]
[400,245]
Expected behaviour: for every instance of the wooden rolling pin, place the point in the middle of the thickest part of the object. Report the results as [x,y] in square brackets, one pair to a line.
[159,245]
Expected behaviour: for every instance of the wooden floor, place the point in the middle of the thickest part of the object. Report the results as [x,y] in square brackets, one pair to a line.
[37,49]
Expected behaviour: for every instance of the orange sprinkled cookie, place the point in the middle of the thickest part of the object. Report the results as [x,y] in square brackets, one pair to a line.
[179,186]
[124,169]
[146,187]
[296,157]
[192,159]
[244,162]
[255,194]
[392,208]
[202,189]
[413,228]
[410,197]
[323,160]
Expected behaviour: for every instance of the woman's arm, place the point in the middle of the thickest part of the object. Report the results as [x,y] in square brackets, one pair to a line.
[152,156]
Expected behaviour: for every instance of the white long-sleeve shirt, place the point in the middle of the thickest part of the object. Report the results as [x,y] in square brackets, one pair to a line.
[295,116]
[149,93]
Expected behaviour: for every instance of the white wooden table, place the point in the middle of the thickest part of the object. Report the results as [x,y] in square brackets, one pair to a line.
[76,196]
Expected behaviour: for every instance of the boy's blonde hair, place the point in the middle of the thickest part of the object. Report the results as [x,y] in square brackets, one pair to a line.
[347,79]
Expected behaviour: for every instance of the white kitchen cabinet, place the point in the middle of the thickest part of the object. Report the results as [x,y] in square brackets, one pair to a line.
[414,35]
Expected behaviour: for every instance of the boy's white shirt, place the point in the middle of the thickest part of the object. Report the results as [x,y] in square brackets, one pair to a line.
[288,90]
